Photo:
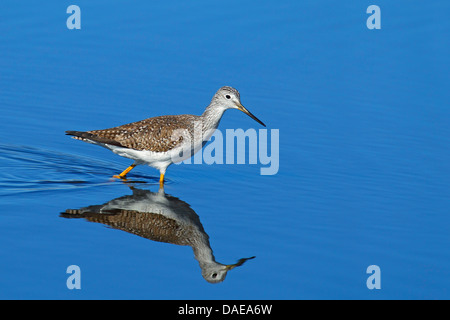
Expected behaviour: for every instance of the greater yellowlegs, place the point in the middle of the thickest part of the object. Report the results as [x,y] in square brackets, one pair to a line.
[159,217]
[159,141]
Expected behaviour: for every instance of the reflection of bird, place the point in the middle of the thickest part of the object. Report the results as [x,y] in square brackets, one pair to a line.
[159,217]
[159,141]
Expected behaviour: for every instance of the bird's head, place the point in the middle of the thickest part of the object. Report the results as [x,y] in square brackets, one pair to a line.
[215,272]
[229,98]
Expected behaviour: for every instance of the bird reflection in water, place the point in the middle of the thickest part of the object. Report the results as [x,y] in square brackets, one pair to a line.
[159,217]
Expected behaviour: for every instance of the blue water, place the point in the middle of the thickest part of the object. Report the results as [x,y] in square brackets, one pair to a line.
[363,118]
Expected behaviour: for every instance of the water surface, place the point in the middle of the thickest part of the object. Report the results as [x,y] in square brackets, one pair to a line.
[364,160]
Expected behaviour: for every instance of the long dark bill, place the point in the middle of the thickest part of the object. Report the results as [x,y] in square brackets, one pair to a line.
[243,109]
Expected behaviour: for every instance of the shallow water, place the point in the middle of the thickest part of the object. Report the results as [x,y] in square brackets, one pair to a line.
[364,166]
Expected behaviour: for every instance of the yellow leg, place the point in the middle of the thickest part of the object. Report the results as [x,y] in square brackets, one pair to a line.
[161,180]
[124,173]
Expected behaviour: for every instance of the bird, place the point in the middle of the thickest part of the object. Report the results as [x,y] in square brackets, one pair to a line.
[160,141]
[159,217]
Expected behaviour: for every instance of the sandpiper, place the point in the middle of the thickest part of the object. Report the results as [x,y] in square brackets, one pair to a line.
[159,217]
[159,141]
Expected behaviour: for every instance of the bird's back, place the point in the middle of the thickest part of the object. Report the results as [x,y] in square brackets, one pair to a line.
[156,134]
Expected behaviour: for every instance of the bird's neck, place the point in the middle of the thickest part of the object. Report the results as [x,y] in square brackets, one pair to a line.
[211,117]
[202,251]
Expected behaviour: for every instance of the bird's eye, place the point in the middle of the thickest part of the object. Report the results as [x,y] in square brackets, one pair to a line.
[214,275]
[228,96]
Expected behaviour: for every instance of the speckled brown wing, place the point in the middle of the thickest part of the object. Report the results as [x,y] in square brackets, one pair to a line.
[153,134]
[152,226]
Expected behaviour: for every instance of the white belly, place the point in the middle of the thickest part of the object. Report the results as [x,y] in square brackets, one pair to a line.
[158,160]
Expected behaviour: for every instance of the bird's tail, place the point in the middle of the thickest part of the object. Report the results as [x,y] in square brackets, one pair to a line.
[80,135]
[87,136]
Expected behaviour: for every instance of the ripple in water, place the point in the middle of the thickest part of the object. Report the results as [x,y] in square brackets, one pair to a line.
[28,169]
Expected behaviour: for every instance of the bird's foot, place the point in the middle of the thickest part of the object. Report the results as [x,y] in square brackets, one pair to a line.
[118,176]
